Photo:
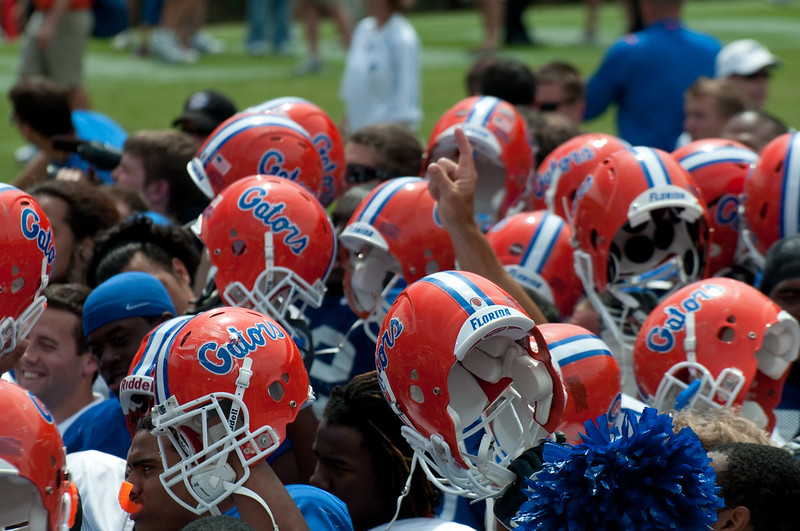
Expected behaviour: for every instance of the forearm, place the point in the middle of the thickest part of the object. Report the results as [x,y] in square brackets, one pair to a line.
[474,254]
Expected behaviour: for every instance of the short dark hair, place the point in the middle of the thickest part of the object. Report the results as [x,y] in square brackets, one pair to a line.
[360,405]
[91,209]
[70,297]
[765,479]
[115,248]
[509,79]
[398,150]
[42,104]
[164,155]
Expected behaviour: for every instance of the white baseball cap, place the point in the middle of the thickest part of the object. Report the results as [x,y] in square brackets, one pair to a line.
[743,57]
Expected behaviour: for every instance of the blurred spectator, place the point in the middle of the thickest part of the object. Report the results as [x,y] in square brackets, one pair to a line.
[754,128]
[267,20]
[379,152]
[381,78]
[311,12]
[709,104]
[40,109]
[646,73]
[509,79]
[54,43]
[560,88]
[202,112]
[748,64]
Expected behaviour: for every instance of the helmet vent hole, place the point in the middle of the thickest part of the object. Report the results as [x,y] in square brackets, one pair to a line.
[763,212]
[516,249]
[432,267]
[275,391]
[185,338]
[414,374]
[665,233]
[731,319]
[17,284]
[726,334]
[238,247]
[639,249]
[593,238]
[416,394]
[285,377]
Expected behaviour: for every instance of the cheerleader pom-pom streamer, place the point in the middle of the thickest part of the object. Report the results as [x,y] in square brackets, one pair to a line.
[647,478]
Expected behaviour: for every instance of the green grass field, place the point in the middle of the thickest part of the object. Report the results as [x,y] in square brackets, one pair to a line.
[145,94]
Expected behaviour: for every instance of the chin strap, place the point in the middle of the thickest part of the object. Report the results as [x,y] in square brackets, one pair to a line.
[404,493]
[244,491]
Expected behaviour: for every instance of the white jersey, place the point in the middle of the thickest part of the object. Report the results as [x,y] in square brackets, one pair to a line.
[98,477]
[381,79]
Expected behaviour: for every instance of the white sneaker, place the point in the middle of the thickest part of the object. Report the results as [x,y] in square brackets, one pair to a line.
[312,66]
[203,42]
[164,45]
[124,40]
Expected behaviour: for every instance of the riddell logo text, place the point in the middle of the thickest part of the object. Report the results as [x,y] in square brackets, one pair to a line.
[478,322]
[136,384]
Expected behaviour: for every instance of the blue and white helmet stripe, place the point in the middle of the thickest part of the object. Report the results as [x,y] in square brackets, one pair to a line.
[160,339]
[482,111]
[245,122]
[7,187]
[161,361]
[700,159]
[577,347]
[790,200]
[652,166]
[461,289]
[541,245]
[382,198]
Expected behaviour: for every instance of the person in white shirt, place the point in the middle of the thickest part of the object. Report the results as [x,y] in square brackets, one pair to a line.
[381,79]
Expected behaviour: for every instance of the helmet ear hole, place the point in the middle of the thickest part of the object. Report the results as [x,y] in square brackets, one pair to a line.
[726,334]
[276,390]
[238,247]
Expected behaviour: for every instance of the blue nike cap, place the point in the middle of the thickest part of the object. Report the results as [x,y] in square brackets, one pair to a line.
[131,294]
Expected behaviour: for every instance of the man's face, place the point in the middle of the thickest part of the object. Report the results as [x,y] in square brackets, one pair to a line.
[755,87]
[550,97]
[57,212]
[179,289]
[51,367]
[345,469]
[130,173]
[114,345]
[159,511]
[786,294]
[702,119]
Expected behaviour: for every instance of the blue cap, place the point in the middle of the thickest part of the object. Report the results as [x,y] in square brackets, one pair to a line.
[131,294]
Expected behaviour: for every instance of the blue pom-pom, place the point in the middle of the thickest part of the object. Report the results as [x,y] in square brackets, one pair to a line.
[646,478]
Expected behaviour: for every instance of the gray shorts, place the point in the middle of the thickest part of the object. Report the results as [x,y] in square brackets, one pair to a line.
[62,60]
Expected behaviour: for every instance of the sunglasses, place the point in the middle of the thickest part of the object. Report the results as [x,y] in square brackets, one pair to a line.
[361,173]
[549,106]
[761,74]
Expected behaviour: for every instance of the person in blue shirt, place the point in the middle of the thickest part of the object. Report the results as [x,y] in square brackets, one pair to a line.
[40,109]
[646,74]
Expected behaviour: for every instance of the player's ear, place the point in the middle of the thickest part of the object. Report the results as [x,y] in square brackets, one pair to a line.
[736,519]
